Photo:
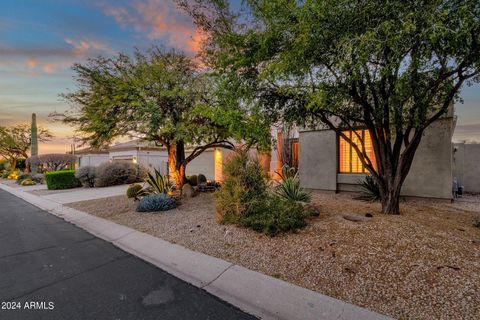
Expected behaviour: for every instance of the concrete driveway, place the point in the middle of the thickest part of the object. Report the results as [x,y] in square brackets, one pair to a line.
[51,269]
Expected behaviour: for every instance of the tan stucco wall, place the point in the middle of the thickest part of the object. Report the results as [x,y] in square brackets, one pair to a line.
[430,174]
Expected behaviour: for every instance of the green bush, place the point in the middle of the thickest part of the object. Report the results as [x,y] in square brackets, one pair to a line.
[201,179]
[38,178]
[156,202]
[61,180]
[21,164]
[245,187]
[22,176]
[134,190]
[5,174]
[275,215]
[28,182]
[192,180]
[370,188]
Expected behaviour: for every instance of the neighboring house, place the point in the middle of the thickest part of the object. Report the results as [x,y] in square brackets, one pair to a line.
[467,166]
[151,156]
[328,162]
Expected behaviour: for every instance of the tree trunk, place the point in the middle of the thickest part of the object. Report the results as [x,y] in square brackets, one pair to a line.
[176,163]
[390,199]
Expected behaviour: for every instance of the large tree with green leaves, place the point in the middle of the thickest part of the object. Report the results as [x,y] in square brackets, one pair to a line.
[393,67]
[160,96]
[16,141]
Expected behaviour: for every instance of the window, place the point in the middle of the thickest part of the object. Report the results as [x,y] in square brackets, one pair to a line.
[349,159]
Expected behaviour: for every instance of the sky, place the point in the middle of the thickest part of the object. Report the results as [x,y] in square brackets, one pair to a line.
[41,39]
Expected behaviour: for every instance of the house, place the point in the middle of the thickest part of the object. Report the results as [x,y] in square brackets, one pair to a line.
[467,166]
[152,156]
[328,162]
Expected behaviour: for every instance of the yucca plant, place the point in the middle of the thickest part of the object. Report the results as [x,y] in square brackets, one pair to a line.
[289,187]
[158,184]
[370,188]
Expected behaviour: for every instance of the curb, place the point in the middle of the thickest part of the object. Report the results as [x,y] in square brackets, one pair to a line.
[253,292]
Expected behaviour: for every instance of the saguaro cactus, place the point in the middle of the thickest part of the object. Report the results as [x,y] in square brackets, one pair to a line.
[34,142]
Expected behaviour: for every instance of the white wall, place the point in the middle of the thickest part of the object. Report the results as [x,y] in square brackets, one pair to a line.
[92,159]
[204,163]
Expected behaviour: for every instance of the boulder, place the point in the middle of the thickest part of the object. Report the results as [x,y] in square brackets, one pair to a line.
[187,191]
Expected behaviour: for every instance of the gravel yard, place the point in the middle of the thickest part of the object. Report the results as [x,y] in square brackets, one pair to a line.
[423,264]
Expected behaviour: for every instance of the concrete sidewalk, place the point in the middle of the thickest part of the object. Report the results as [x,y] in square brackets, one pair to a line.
[253,292]
[86,194]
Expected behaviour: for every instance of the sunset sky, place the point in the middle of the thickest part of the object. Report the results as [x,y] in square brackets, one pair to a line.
[40,40]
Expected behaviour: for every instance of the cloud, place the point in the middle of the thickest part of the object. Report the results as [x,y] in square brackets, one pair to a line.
[83,47]
[31,63]
[159,19]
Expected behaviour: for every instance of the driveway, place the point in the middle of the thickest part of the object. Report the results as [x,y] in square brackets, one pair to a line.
[50,269]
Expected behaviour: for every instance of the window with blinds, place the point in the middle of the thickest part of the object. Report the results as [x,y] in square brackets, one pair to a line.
[349,159]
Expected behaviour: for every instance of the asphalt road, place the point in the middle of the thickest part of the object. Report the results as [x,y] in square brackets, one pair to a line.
[46,262]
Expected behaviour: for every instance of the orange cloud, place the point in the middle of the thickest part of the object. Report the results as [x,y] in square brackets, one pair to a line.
[82,47]
[160,19]
[31,63]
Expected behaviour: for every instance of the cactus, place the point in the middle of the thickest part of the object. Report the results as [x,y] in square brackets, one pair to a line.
[34,142]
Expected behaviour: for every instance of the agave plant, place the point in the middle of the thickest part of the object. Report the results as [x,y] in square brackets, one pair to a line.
[370,188]
[289,187]
[158,184]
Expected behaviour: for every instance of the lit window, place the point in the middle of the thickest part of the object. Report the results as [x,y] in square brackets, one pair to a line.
[349,159]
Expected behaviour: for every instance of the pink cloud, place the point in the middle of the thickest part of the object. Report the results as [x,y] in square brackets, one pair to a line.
[159,19]
[83,47]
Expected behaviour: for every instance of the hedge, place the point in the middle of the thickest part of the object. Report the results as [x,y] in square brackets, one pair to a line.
[64,179]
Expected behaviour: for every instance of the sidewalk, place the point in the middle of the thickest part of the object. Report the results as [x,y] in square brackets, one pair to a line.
[253,292]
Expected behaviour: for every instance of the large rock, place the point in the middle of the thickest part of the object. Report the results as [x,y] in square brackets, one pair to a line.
[188,191]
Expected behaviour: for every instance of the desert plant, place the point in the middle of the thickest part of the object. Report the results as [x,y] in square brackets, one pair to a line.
[52,161]
[38,178]
[289,187]
[5,174]
[156,202]
[27,182]
[22,176]
[13,175]
[86,175]
[370,188]
[34,142]
[158,184]
[116,173]
[201,179]
[244,187]
[65,179]
[134,191]
[476,222]
[275,215]
[192,180]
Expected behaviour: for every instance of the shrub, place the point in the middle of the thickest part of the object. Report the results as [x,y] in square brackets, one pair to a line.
[28,182]
[201,179]
[86,175]
[158,184]
[275,215]
[61,180]
[244,188]
[5,174]
[476,222]
[52,161]
[21,164]
[38,178]
[134,190]
[22,176]
[116,173]
[156,202]
[289,187]
[192,180]
[370,188]
[13,175]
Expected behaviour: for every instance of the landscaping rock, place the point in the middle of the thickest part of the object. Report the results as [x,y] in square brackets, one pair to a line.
[187,191]
[355,218]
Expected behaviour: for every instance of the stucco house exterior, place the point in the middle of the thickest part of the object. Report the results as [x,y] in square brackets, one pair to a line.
[327,162]
[152,157]
[467,165]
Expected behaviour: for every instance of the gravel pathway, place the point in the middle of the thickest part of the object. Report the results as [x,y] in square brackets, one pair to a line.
[423,264]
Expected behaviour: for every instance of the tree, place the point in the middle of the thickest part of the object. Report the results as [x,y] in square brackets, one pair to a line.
[34,141]
[15,142]
[392,67]
[52,161]
[158,96]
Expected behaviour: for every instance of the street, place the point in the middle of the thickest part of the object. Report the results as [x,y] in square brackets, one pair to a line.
[50,269]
